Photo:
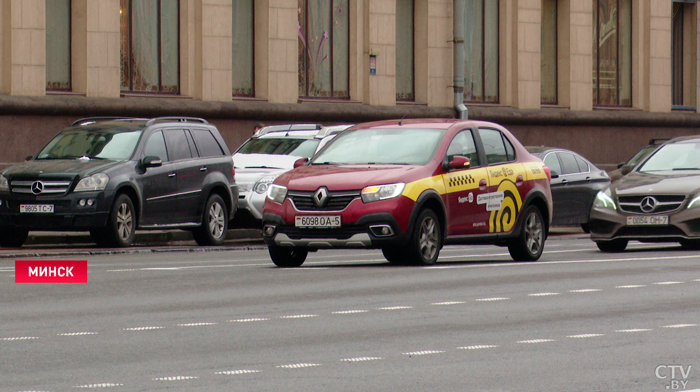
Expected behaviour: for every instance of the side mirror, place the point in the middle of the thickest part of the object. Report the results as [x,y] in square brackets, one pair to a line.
[625,170]
[300,162]
[456,162]
[555,174]
[28,158]
[151,161]
[619,165]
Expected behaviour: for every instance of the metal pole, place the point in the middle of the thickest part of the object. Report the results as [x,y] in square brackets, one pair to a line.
[458,35]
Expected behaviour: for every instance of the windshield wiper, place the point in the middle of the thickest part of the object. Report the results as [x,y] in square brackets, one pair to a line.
[685,168]
[323,163]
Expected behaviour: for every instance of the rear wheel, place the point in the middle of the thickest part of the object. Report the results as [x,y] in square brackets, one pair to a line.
[530,242]
[424,246]
[285,257]
[214,223]
[613,246]
[13,239]
[121,225]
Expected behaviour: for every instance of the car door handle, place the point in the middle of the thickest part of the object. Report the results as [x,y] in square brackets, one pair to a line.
[171,175]
[588,179]
[203,169]
[564,182]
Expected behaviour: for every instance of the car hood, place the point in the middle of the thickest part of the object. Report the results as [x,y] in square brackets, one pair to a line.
[251,176]
[48,167]
[636,183]
[263,162]
[344,177]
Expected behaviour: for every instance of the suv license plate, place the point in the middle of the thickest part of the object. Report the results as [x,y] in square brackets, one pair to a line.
[317,221]
[36,208]
[647,220]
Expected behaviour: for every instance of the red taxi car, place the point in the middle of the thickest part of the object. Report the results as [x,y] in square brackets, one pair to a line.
[408,188]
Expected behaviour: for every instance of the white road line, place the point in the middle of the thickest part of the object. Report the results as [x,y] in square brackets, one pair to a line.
[123,270]
[586,335]
[631,286]
[350,311]
[668,283]
[175,378]
[248,320]
[237,372]
[102,385]
[76,333]
[298,365]
[396,308]
[680,326]
[584,290]
[425,352]
[554,262]
[362,359]
[548,294]
[477,347]
[21,338]
[298,316]
[195,324]
[142,328]
[448,303]
[633,330]
[535,341]
[492,299]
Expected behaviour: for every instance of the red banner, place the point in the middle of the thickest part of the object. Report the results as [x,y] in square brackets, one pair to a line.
[51,271]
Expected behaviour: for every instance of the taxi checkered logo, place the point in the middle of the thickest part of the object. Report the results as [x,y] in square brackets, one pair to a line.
[461,180]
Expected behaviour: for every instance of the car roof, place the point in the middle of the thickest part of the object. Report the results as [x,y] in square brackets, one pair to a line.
[298,134]
[130,123]
[287,128]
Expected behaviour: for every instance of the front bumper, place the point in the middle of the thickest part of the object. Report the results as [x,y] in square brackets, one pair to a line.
[607,224]
[68,213]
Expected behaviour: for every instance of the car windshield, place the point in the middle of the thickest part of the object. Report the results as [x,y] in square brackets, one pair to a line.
[674,156]
[116,144]
[398,146]
[298,147]
[640,155]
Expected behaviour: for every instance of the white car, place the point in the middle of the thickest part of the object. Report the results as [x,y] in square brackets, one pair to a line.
[269,153]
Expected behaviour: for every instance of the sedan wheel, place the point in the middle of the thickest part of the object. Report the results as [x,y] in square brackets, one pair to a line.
[214,223]
[426,240]
[530,243]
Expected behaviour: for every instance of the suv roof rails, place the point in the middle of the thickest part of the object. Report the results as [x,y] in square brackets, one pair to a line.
[332,130]
[288,127]
[86,120]
[176,119]
[656,139]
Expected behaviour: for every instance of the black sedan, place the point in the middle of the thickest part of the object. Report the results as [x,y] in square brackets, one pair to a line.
[575,184]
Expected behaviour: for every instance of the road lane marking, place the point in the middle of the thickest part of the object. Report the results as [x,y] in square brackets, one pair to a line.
[680,326]
[237,372]
[668,283]
[142,328]
[425,352]
[586,335]
[350,311]
[554,262]
[631,286]
[362,359]
[535,341]
[492,299]
[21,338]
[195,324]
[585,290]
[547,294]
[175,378]
[298,316]
[395,308]
[448,303]
[478,347]
[633,330]
[248,320]
[298,365]
[76,333]
[101,385]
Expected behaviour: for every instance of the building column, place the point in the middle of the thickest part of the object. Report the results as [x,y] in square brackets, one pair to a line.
[520,53]
[575,54]
[433,52]
[212,50]
[659,56]
[280,42]
[382,45]
[23,39]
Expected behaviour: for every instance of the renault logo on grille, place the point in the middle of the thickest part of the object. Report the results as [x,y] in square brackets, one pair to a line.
[37,187]
[648,204]
[320,196]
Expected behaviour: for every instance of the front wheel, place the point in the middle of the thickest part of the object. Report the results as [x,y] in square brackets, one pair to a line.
[424,246]
[394,256]
[121,225]
[287,257]
[13,239]
[530,242]
[613,246]
[214,223]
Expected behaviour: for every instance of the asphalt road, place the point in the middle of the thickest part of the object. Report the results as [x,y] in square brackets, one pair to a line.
[577,320]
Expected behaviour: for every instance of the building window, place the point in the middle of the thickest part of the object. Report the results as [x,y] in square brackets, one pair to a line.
[548,59]
[404,51]
[612,53]
[58,72]
[481,51]
[243,44]
[324,47]
[683,28]
[150,46]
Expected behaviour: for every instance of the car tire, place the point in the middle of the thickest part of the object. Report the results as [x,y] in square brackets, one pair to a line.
[214,223]
[690,244]
[530,242]
[586,228]
[121,225]
[13,239]
[394,256]
[287,257]
[426,239]
[613,246]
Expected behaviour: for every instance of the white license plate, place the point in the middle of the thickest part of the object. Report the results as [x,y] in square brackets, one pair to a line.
[647,220]
[317,221]
[36,208]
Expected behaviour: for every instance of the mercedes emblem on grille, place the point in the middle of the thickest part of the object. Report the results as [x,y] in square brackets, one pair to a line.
[320,197]
[648,204]
[37,187]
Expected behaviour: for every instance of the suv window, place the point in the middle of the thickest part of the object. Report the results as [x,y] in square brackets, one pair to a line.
[206,143]
[498,148]
[176,141]
[156,146]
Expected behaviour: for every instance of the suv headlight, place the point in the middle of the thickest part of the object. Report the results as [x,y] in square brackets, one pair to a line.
[382,192]
[276,193]
[96,182]
[693,203]
[263,183]
[4,185]
[604,200]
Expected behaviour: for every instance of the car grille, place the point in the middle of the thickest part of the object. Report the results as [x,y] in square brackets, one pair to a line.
[661,203]
[341,233]
[337,201]
[40,187]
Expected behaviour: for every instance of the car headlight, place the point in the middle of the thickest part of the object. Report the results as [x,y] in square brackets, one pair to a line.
[4,185]
[96,182]
[693,203]
[604,200]
[276,193]
[263,183]
[382,192]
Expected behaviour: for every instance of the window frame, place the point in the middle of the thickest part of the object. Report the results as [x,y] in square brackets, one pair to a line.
[252,54]
[412,97]
[678,61]
[556,53]
[482,48]
[70,52]
[618,55]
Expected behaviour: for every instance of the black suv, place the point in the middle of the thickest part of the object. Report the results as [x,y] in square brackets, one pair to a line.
[112,176]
